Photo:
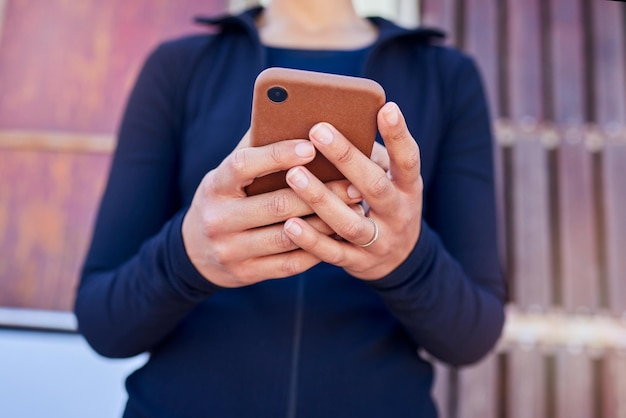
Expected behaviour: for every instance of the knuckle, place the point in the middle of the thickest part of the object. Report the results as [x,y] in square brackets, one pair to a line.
[212,225]
[282,241]
[219,255]
[317,198]
[380,187]
[404,218]
[238,162]
[419,185]
[279,205]
[241,275]
[208,184]
[336,258]
[399,134]
[275,154]
[352,230]
[291,266]
[346,154]
[412,160]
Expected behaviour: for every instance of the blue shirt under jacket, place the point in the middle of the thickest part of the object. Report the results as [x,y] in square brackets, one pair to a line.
[320,344]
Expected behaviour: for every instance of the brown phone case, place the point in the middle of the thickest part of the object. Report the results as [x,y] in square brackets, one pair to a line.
[288,103]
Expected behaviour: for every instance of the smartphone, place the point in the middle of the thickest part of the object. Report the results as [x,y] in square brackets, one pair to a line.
[287,103]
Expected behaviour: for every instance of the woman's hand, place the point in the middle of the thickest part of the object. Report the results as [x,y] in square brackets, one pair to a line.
[234,240]
[394,198]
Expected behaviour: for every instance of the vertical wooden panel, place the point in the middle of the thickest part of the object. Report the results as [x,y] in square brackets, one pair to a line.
[578,235]
[525,60]
[576,208]
[609,48]
[528,385]
[574,385]
[614,385]
[532,268]
[610,63]
[481,42]
[478,390]
[532,262]
[614,175]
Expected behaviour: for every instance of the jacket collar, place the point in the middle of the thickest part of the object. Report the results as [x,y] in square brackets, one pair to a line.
[387,29]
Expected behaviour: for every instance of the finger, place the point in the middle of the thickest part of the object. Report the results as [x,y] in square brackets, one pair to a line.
[327,249]
[274,267]
[367,176]
[347,223]
[260,242]
[380,156]
[243,165]
[404,155]
[268,209]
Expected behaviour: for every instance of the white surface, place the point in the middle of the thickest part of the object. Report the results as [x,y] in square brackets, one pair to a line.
[53,375]
[36,318]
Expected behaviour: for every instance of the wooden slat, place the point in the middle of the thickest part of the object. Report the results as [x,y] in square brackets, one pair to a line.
[614,385]
[614,175]
[577,219]
[527,383]
[609,62]
[609,48]
[531,268]
[577,231]
[532,263]
[525,60]
[47,204]
[481,42]
[478,389]
[574,385]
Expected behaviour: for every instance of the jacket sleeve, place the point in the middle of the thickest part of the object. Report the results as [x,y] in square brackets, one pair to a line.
[137,282]
[449,293]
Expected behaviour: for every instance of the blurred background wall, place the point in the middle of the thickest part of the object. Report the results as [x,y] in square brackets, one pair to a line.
[66,68]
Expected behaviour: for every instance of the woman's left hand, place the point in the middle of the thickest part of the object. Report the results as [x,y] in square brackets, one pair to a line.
[374,245]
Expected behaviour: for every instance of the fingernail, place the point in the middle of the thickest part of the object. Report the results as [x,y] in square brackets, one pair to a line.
[322,134]
[353,192]
[298,178]
[391,115]
[305,150]
[293,228]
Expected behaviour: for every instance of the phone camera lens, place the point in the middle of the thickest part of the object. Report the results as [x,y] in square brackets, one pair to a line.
[277,94]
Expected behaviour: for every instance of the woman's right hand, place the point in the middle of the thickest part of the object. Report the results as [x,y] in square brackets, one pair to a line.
[234,240]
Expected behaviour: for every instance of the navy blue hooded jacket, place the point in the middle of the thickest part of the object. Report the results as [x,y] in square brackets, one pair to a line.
[320,344]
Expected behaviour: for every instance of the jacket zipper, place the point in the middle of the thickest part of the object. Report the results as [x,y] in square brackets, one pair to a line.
[292,400]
